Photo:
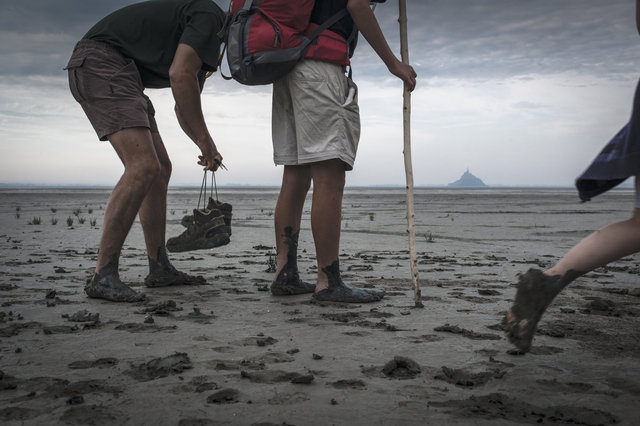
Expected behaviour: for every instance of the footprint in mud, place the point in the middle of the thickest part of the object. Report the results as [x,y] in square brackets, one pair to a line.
[97,363]
[468,379]
[276,376]
[197,384]
[473,335]
[162,309]
[197,316]
[20,414]
[224,396]
[349,384]
[133,327]
[198,422]
[160,367]
[507,409]
[258,341]
[92,415]
[288,398]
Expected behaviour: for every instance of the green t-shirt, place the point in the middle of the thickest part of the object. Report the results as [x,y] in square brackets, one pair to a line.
[149,33]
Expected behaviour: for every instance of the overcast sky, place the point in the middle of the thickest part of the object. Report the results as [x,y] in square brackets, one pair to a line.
[521,92]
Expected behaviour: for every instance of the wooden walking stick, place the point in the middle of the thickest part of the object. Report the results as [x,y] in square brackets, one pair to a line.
[406,121]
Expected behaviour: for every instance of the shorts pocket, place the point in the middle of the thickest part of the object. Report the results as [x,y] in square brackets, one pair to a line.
[72,67]
[126,81]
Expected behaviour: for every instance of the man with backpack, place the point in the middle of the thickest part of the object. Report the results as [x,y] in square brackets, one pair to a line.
[316,128]
[156,44]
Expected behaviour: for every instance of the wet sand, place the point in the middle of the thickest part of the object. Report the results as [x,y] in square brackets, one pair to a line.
[231,353]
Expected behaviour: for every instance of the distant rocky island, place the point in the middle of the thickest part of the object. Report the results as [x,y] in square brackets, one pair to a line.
[468,180]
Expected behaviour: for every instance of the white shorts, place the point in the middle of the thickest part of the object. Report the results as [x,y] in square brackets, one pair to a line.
[315,115]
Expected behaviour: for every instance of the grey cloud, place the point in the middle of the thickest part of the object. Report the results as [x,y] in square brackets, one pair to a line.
[479,39]
[505,38]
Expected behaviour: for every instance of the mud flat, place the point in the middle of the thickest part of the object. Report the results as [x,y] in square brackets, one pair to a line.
[231,353]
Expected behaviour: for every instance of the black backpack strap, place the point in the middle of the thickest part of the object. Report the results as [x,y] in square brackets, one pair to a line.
[326,24]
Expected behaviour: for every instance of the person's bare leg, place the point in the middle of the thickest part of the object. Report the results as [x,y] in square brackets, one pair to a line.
[135,148]
[288,214]
[153,218]
[326,215]
[601,247]
[536,290]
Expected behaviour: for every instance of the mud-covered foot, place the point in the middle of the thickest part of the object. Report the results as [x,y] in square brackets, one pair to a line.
[288,283]
[338,291]
[162,273]
[167,278]
[535,293]
[106,284]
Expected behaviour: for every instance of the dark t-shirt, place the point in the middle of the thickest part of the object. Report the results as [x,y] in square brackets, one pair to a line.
[149,33]
[325,9]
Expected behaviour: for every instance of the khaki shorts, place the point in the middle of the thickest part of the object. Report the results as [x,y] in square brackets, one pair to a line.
[108,87]
[315,115]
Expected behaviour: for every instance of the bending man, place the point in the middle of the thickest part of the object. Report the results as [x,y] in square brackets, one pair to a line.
[154,44]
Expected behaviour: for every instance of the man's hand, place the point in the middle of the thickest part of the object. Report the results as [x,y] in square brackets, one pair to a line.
[210,161]
[368,25]
[406,73]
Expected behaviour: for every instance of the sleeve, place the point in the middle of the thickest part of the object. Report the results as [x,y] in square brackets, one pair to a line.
[201,33]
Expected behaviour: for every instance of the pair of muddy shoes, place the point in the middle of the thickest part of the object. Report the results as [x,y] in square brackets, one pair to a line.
[289,283]
[535,292]
[205,229]
[224,208]
[106,283]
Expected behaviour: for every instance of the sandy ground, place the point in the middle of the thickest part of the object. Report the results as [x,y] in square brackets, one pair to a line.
[231,353]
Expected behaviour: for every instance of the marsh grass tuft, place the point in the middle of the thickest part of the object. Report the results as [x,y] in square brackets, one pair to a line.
[70,221]
[35,221]
[81,220]
[93,221]
[54,220]
[271,263]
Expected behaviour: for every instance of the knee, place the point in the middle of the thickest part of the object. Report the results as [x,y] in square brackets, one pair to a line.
[296,179]
[144,173]
[165,171]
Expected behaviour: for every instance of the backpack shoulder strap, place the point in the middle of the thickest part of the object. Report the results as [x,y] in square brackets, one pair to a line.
[326,24]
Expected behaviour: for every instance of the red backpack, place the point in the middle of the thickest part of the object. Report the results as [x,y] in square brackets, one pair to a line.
[265,39]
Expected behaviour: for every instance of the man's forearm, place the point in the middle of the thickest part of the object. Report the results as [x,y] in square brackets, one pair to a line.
[367,24]
[186,93]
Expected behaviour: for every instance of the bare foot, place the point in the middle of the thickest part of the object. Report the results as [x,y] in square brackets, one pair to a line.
[107,285]
[535,293]
[338,291]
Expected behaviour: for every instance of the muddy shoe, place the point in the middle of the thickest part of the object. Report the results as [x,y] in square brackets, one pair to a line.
[535,293]
[206,230]
[288,283]
[225,209]
[338,291]
[162,273]
[203,216]
[106,284]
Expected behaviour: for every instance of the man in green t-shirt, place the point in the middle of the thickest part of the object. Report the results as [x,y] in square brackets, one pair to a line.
[155,44]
